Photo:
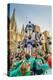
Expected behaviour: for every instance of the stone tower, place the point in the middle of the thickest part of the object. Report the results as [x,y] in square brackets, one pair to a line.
[12,33]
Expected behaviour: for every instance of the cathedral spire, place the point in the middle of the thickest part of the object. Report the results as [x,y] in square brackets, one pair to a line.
[13,21]
[13,15]
[22,29]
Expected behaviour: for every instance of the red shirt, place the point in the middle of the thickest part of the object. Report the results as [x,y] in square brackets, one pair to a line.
[50,61]
[34,54]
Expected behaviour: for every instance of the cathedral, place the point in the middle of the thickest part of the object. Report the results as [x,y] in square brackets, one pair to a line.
[13,34]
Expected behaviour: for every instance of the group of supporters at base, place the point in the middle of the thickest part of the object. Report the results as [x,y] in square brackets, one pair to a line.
[29,65]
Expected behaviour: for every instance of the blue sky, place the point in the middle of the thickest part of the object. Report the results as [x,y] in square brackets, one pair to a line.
[37,14]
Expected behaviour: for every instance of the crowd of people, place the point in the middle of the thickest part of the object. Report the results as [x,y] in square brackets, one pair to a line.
[34,64]
[32,59]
